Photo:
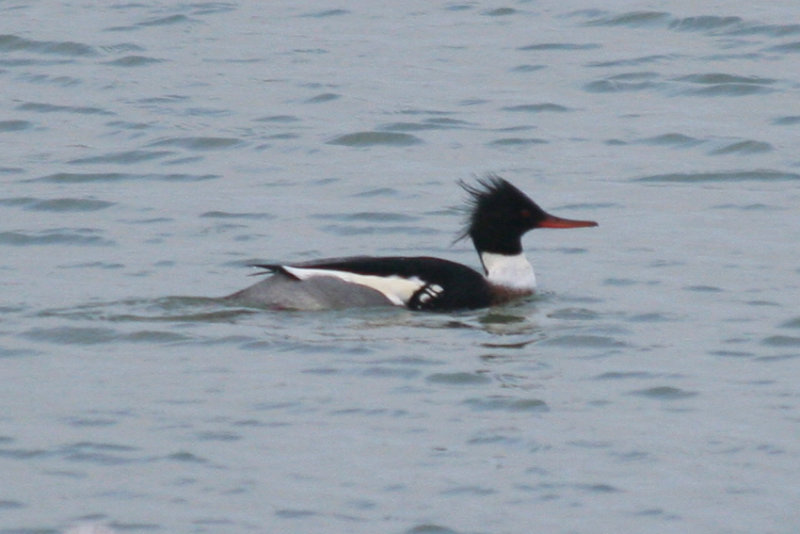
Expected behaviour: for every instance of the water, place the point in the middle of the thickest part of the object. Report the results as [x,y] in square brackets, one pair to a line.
[151,151]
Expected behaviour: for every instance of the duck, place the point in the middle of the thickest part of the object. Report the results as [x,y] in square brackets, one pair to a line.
[499,214]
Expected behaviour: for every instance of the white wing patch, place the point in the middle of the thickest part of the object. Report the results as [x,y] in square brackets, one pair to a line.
[395,288]
[430,292]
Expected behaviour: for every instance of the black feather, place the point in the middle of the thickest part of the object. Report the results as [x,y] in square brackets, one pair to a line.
[499,214]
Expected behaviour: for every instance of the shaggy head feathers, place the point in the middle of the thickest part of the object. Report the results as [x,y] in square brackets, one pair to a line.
[499,214]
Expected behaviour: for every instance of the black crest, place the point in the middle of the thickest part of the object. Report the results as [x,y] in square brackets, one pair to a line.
[499,214]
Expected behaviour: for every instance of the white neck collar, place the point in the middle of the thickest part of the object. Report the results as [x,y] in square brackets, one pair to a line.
[513,272]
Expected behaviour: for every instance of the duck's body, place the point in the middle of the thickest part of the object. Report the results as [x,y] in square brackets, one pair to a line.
[500,215]
[418,283]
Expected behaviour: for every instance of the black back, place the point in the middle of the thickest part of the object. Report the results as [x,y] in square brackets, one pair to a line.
[448,285]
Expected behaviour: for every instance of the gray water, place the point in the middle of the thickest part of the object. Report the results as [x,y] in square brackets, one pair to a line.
[150,151]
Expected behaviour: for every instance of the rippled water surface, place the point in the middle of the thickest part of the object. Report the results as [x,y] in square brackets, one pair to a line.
[151,151]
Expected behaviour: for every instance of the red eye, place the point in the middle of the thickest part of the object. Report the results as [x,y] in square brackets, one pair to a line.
[525,214]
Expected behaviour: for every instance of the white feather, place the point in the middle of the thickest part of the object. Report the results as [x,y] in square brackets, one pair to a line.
[514,272]
[395,288]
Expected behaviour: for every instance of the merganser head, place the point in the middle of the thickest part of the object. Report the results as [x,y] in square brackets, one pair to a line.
[501,214]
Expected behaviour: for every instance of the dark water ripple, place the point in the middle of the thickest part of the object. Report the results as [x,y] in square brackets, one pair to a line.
[199,143]
[634,62]
[322,98]
[13,43]
[711,24]
[126,158]
[633,19]
[14,125]
[428,528]
[559,47]
[72,335]
[792,323]
[537,108]
[729,89]
[287,119]
[786,48]
[164,21]
[29,62]
[500,12]
[164,310]
[517,141]
[327,13]
[586,341]
[99,453]
[705,23]
[770,30]
[17,453]
[667,393]
[79,178]
[618,375]
[721,84]
[573,313]
[367,216]
[708,84]
[133,61]
[434,123]
[17,352]
[459,378]
[60,236]
[17,201]
[497,402]
[121,48]
[732,353]
[673,139]
[528,68]
[41,107]
[61,81]
[717,78]
[787,121]
[375,138]
[743,147]
[68,204]
[747,207]
[765,175]
[409,127]
[229,215]
[781,341]
[621,83]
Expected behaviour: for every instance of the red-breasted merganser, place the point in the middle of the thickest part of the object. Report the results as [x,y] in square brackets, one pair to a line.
[499,216]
